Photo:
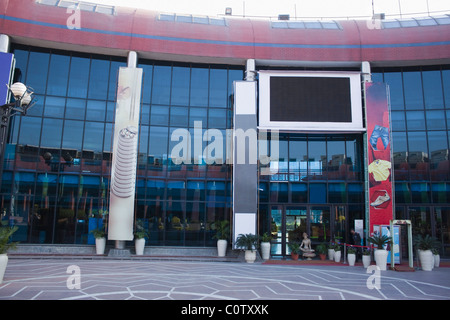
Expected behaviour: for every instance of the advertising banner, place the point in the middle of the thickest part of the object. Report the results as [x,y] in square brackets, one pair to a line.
[6,63]
[379,155]
[124,160]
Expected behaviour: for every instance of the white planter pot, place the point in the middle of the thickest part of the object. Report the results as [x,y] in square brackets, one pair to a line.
[100,244]
[265,250]
[381,258]
[337,256]
[139,246]
[437,260]
[330,254]
[426,260]
[3,263]
[222,247]
[250,256]
[366,261]
[351,257]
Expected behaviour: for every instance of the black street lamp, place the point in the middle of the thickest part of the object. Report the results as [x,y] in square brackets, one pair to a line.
[23,100]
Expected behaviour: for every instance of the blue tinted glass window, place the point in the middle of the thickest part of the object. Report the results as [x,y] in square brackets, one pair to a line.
[51,133]
[441,192]
[436,120]
[58,75]
[218,88]
[198,114]
[415,120]
[438,148]
[199,87]
[420,192]
[446,86]
[413,90]
[279,192]
[398,120]
[195,191]
[317,193]
[159,115]
[161,84]
[37,71]
[337,193]
[179,116]
[316,155]
[95,110]
[377,77]
[93,136]
[355,193]
[145,114]
[180,86]
[21,57]
[98,86]
[147,75]
[402,193]
[30,131]
[299,192]
[217,119]
[79,77]
[73,133]
[394,80]
[113,79]
[159,138]
[432,87]
[75,108]
[400,153]
[54,107]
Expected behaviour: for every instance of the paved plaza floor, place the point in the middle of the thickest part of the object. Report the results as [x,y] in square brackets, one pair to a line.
[112,279]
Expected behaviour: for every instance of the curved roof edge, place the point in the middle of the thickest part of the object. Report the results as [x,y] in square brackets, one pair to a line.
[346,42]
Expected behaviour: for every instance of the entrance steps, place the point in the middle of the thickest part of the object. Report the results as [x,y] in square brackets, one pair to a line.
[42,251]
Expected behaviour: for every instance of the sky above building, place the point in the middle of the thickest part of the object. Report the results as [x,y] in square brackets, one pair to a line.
[295,8]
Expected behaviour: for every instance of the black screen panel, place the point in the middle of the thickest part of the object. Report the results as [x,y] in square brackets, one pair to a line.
[310,99]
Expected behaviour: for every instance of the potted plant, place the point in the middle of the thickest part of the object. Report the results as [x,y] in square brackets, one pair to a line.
[437,257]
[380,254]
[294,247]
[5,245]
[337,253]
[351,256]
[249,243]
[331,252]
[222,231]
[265,246]
[424,245]
[139,242]
[321,249]
[100,240]
[366,258]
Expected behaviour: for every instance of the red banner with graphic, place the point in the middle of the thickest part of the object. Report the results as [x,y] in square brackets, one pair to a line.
[379,154]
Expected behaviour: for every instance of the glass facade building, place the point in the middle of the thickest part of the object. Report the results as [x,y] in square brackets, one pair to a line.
[58,157]
[57,170]
[57,162]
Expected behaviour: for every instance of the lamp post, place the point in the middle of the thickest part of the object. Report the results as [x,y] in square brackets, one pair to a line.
[23,100]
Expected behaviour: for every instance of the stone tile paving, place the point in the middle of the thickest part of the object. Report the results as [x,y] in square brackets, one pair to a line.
[53,279]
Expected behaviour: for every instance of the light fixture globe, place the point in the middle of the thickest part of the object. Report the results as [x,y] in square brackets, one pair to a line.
[18,89]
[26,99]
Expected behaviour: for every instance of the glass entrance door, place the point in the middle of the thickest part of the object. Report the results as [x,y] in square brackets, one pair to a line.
[287,223]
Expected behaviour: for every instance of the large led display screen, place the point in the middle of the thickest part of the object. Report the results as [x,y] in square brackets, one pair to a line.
[310,101]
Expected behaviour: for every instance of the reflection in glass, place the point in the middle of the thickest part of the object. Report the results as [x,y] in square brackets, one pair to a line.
[394,80]
[78,77]
[58,75]
[413,90]
[432,87]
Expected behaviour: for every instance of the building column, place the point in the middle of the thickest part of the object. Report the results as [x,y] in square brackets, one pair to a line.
[366,77]
[4,43]
[121,211]
[245,155]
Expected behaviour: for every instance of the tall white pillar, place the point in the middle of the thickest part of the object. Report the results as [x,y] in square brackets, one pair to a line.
[4,43]
[245,155]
